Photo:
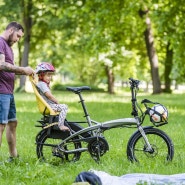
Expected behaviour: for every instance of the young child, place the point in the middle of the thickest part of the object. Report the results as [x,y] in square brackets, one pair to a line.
[45,71]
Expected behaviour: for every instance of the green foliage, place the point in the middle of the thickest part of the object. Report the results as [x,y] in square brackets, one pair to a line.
[73,35]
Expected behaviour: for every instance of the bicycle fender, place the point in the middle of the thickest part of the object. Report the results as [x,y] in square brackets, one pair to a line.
[52,133]
[39,134]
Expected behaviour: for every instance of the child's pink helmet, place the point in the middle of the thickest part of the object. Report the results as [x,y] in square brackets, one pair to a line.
[44,67]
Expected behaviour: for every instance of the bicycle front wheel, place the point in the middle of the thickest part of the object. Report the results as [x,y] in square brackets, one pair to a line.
[47,149]
[162,146]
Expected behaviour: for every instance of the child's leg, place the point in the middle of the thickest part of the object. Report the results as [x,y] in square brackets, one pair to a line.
[62,108]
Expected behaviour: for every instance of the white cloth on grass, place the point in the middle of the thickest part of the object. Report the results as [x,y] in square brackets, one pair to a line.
[140,178]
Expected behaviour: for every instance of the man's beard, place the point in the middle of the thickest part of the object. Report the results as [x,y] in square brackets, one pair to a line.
[10,40]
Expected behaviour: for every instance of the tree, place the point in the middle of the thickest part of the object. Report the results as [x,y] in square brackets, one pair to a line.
[168,68]
[26,9]
[20,10]
[149,39]
[97,33]
[74,34]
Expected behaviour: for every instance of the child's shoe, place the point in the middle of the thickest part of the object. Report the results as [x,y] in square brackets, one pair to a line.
[64,128]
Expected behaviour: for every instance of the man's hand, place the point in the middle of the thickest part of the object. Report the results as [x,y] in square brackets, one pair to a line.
[28,70]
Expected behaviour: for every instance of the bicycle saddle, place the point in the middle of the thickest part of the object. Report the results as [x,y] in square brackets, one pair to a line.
[78,89]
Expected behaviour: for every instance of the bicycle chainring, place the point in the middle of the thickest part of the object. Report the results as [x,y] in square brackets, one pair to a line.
[97,147]
[57,153]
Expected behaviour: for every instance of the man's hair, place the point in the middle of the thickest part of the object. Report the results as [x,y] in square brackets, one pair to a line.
[15,25]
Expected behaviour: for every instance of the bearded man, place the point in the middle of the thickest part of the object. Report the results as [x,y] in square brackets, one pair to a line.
[12,34]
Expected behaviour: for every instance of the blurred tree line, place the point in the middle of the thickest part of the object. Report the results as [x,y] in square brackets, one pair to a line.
[102,41]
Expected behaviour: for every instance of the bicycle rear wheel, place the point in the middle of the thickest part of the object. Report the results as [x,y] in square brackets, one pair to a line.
[163,148]
[47,149]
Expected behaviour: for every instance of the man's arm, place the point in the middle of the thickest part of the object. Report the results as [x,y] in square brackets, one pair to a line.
[5,66]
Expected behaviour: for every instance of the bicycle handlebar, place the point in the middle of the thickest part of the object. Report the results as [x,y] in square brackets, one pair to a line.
[134,86]
[134,83]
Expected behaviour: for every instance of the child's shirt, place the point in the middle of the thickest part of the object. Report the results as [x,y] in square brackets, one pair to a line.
[43,88]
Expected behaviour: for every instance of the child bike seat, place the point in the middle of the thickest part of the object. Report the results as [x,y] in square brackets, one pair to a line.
[43,106]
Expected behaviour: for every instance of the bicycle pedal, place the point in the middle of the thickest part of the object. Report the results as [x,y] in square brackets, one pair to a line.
[56,154]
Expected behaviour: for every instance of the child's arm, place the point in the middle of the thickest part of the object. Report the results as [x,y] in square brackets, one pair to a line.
[51,97]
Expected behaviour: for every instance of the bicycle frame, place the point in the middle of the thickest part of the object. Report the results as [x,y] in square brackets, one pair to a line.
[94,131]
[98,128]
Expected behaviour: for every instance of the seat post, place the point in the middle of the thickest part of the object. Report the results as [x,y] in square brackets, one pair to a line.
[87,116]
[83,104]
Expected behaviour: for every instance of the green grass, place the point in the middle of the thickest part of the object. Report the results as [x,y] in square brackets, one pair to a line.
[102,107]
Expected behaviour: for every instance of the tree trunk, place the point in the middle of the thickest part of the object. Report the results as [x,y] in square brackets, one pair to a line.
[152,58]
[110,77]
[168,68]
[27,20]
[24,62]
[149,40]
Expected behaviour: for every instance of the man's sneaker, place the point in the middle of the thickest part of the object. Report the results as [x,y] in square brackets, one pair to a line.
[12,159]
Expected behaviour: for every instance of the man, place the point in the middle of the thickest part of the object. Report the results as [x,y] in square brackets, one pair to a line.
[11,35]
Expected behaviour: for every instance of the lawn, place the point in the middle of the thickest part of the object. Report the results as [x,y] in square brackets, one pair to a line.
[102,107]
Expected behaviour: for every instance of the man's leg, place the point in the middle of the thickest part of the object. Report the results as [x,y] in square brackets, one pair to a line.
[2,127]
[11,137]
